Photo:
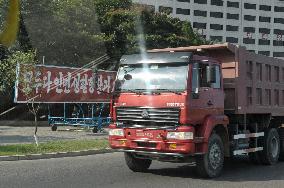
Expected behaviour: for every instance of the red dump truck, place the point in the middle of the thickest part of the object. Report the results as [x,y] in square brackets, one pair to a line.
[200,103]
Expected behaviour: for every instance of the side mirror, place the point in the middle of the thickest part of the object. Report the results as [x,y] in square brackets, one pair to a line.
[211,74]
[127,77]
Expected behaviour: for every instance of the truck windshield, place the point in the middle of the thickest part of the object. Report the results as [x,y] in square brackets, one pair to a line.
[152,77]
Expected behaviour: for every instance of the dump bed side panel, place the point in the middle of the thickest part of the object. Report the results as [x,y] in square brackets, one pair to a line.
[260,86]
[253,84]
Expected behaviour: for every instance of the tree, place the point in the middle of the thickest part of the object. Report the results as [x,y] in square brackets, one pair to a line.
[8,79]
[65,32]
[102,7]
[8,67]
[8,75]
[27,83]
[23,36]
[130,30]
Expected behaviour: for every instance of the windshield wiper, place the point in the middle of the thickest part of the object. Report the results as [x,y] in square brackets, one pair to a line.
[140,91]
[136,91]
[169,90]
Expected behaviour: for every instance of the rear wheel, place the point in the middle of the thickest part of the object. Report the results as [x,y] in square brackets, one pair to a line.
[271,147]
[211,164]
[136,164]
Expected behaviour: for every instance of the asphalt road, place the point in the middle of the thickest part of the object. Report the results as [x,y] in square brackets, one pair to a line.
[109,170]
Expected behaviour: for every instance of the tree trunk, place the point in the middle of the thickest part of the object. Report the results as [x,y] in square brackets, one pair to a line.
[35,133]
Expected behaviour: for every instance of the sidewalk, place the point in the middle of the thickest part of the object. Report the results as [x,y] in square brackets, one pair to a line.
[21,132]
[24,134]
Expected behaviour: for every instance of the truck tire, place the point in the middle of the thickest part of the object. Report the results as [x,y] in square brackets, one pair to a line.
[136,164]
[211,164]
[271,147]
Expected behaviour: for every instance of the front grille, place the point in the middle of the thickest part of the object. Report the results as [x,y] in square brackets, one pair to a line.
[148,116]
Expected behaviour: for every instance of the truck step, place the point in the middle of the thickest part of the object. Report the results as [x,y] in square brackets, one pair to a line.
[250,135]
[249,150]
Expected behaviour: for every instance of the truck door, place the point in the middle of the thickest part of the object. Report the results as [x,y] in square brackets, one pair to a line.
[201,99]
[217,91]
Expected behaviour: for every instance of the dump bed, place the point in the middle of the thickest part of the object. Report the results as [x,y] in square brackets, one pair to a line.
[253,83]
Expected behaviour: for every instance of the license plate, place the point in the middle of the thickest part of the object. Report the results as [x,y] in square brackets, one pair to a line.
[146,134]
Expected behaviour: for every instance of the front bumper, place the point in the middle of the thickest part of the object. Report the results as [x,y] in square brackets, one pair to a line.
[149,145]
[178,155]
[152,141]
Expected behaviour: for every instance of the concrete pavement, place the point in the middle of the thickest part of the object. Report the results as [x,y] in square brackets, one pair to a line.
[11,134]
[24,134]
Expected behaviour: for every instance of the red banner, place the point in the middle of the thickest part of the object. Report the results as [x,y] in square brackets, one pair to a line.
[52,84]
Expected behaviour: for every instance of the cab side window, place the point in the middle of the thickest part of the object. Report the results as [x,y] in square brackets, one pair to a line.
[195,77]
[205,75]
[217,83]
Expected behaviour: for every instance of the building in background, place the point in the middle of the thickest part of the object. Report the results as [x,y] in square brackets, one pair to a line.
[256,24]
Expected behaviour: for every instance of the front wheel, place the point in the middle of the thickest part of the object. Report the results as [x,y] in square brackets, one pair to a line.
[211,164]
[136,164]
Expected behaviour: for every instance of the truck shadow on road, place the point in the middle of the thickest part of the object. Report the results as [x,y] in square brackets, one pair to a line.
[235,170]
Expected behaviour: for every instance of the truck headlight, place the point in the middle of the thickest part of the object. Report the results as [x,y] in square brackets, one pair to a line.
[116,132]
[180,135]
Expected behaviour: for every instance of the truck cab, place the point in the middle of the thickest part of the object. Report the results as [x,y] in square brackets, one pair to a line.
[160,102]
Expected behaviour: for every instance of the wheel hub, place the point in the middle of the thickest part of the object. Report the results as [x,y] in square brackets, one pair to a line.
[274,147]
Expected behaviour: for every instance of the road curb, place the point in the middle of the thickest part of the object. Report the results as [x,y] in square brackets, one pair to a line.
[54,155]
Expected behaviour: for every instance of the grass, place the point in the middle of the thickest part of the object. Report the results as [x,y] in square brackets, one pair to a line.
[54,146]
